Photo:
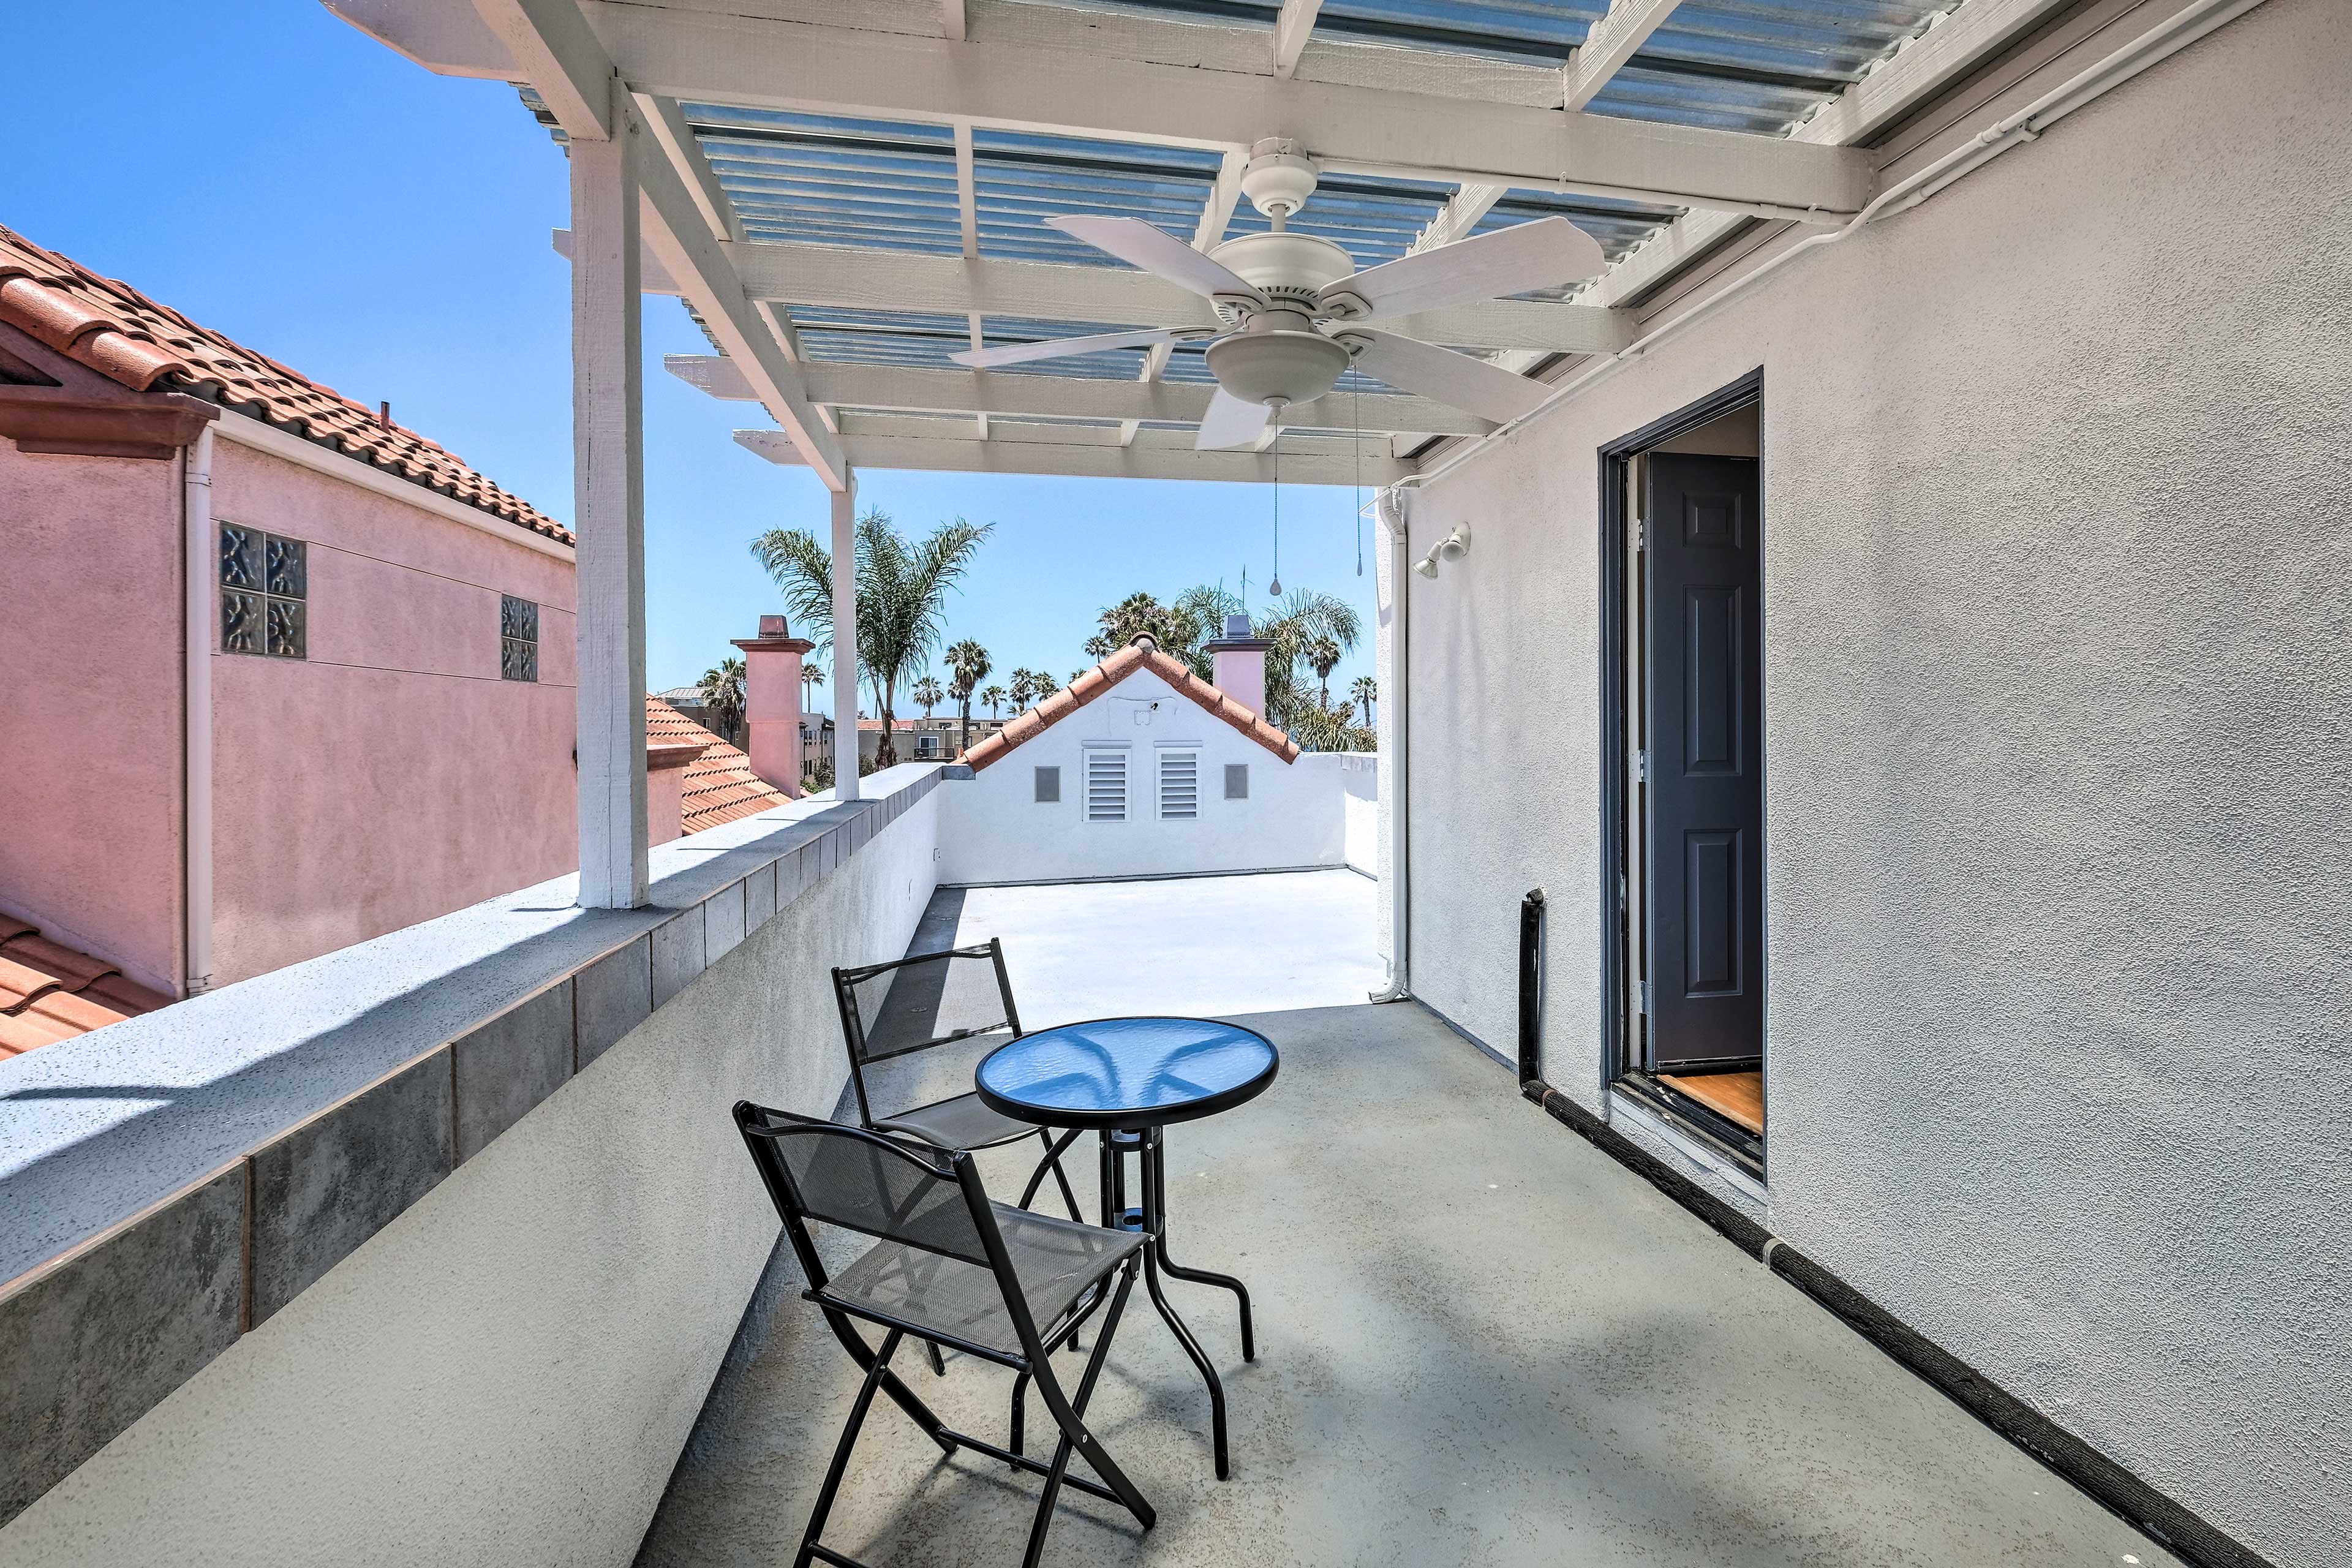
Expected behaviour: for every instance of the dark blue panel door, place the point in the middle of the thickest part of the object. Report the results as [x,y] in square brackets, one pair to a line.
[1706,764]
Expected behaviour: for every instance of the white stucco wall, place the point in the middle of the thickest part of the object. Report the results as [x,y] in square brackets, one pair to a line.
[2058,689]
[1360,806]
[993,829]
[505,1373]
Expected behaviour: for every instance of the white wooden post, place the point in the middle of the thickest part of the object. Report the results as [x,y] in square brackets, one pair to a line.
[847,749]
[609,512]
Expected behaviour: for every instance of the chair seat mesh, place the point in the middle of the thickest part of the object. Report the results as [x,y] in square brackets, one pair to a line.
[963,1122]
[1056,1260]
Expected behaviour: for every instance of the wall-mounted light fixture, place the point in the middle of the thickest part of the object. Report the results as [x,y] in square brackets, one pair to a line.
[1452,547]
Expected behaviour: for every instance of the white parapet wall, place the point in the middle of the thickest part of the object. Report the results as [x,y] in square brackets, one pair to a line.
[507,1369]
[1132,789]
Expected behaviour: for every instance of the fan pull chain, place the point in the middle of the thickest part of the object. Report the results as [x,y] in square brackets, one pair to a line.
[1274,584]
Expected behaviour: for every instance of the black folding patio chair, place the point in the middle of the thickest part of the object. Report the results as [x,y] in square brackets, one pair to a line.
[947,1265]
[910,1005]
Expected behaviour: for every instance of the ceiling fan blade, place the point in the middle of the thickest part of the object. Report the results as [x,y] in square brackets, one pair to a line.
[1539,255]
[1231,423]
[1459,381]
[1061,348]
[1158,252]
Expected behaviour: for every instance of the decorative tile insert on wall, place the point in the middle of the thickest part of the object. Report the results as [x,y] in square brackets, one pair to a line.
[124,1279]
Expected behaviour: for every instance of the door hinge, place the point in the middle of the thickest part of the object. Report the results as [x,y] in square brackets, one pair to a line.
[1642,767]
[1641,534]
[1642,998]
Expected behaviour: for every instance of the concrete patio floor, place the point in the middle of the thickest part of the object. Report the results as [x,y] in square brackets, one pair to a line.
[1480,1340]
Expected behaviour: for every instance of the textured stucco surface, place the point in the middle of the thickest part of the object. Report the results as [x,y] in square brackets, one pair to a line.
[390,776]
[994,829]
[505,1373]
[2058,687]
[90,676]
[1480,1342]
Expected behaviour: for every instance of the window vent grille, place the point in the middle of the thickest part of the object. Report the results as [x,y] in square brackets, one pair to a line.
[1236,781]
[1049,785]
[1105,786]
[1180,785]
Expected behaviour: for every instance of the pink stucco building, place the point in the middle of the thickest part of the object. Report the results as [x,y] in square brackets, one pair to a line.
[279,674]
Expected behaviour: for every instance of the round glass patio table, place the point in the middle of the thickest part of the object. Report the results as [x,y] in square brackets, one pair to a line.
[1127,1078]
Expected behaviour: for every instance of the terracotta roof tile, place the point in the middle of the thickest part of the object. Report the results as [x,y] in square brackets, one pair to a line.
[129,338]
[49,992]
[1138,655]
[719,785]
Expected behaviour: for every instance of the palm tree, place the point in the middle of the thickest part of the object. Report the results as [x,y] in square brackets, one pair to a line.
[968,663]
[902,591]
[1029,687]
[722,691]
[1331,730]
[1364,693]
[1323,653]
[811,675]
[926,694]
[995,697]
[1303,618]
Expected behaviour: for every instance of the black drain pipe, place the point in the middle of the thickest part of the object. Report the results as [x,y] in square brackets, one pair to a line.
[1531,933]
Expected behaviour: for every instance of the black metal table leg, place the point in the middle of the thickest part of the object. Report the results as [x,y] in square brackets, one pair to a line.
[1150,1218]
[1157,1177]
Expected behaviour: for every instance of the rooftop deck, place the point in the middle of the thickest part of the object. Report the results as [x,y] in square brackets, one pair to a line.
[1481,1340]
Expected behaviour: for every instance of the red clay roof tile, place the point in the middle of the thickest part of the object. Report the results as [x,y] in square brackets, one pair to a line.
[129,338]
[719,785]
[1093,683]
[50,992]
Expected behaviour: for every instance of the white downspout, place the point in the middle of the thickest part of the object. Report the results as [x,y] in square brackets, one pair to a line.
[1395,716]
[196,720]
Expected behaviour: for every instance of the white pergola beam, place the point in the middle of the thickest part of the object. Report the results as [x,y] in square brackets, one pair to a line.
[1611,42]
[1145,459]
[847,277]
[1004,396]
[1291,29]
[553,48]
[952,23]
[668,123]
[1053,82]
[566,63]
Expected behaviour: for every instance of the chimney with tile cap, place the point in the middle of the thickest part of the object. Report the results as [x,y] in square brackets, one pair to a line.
[1239,663]
[772,701]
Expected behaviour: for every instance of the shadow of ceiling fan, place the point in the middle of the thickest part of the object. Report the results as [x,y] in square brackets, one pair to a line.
[1293,306]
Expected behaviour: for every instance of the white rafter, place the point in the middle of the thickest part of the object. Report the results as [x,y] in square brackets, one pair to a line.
[1458,216]
[928,389]
[1291,29]
[1609,43]
[884,441]
[551,39]
[968,213]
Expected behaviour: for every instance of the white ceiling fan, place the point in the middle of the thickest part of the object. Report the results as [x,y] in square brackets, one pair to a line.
[1278,292]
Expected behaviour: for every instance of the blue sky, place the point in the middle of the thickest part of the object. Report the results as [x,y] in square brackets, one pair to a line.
[270,172]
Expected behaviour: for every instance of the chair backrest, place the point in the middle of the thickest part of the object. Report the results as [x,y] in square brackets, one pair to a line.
[912,1004]
[865,1181]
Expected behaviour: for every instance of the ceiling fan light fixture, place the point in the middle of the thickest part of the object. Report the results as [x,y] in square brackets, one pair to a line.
[1277,368]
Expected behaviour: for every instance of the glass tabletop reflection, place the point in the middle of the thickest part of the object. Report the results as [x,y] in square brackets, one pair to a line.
[1126,1072]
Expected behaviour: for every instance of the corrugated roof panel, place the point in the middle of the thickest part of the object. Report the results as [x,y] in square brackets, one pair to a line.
[834,180]
[880,337]
[1020,178]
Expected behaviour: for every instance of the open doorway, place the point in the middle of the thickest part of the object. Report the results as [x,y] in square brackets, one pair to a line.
[1681,509]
